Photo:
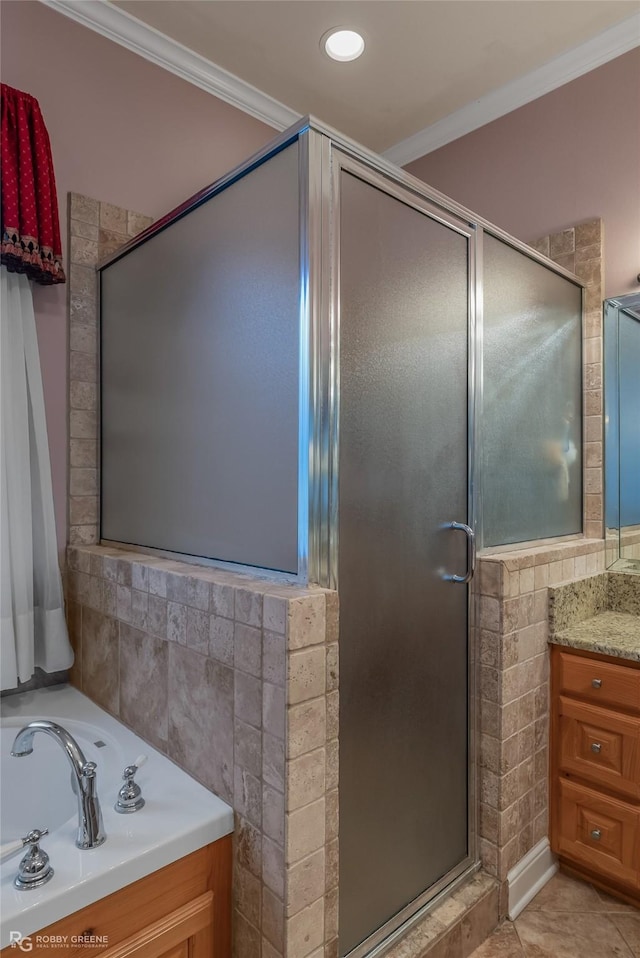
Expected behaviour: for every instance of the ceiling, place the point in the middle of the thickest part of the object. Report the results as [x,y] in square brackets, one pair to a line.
[424,59]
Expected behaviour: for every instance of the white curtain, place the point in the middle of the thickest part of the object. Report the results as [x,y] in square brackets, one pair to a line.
[34,631]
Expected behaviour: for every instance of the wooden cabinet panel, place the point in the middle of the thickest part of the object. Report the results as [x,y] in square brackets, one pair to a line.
[180,951]
[600,745]
[168,937]
[599,832]
[189,900]
[595,768]
[599,682]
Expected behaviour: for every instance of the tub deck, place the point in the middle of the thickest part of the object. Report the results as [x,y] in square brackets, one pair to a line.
[180,815]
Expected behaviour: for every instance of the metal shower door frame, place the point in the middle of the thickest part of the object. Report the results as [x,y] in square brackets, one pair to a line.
[326,161]
[318,146]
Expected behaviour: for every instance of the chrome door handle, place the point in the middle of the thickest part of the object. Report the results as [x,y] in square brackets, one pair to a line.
[471,553]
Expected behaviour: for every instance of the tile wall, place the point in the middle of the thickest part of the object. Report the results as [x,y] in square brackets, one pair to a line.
[514,693]
[235,679]
[95,230]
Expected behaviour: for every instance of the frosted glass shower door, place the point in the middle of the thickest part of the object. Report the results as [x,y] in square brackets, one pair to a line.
[200,355]
[403,628]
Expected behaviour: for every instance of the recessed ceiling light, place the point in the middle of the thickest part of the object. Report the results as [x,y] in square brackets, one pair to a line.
[343,45]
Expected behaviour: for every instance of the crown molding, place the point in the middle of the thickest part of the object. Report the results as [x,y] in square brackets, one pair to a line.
[609,44]
[118,25]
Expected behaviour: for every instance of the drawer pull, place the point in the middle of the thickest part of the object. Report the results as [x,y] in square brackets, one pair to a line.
[596,834]
[596,747]
[597,683]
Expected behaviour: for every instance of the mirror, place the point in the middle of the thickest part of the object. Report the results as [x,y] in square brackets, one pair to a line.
[622,432]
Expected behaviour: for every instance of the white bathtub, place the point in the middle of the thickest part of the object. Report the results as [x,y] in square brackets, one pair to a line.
[179,817]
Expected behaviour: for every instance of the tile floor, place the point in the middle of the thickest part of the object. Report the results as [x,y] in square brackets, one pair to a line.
[568,919]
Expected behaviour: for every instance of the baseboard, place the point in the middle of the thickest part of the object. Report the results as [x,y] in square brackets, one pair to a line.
[530,875]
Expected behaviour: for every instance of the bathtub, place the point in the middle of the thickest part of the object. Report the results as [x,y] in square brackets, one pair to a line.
[179,816]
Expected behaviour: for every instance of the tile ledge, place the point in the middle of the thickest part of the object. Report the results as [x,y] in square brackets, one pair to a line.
[429,934]
[204,572]
[538,546]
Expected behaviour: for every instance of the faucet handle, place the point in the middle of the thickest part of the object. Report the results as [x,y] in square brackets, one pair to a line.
[130,795]
[131,770]
[34,869]
[8,849]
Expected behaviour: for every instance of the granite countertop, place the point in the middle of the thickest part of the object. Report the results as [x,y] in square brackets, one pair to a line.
[609,633]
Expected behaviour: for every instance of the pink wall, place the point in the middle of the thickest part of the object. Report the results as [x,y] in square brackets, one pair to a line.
[122,130]
[569,156]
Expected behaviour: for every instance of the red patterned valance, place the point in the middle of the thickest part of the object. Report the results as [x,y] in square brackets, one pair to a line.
[30,227]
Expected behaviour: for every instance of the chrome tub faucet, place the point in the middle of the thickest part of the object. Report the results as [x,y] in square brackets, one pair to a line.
[90,828]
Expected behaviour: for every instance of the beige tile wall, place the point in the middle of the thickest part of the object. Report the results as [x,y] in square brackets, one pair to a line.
[95,230]
[514,692]
[235,678]
[311,848]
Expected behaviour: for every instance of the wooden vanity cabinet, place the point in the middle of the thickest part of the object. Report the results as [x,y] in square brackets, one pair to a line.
[595,768]
[180,911]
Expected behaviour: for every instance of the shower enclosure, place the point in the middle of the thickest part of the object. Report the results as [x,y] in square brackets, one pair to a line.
[293,379]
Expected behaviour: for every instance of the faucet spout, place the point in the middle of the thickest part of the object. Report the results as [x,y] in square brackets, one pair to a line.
[90,827]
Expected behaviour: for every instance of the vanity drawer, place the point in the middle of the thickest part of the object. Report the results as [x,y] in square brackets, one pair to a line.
[601,833]
[600,745]
[599,682]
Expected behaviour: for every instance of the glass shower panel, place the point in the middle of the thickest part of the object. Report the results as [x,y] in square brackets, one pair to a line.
[532,408]
[612,426]
[403,628]
[629,426]
[200,357]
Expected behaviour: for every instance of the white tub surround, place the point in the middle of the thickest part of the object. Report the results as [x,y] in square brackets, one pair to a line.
[179,817]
